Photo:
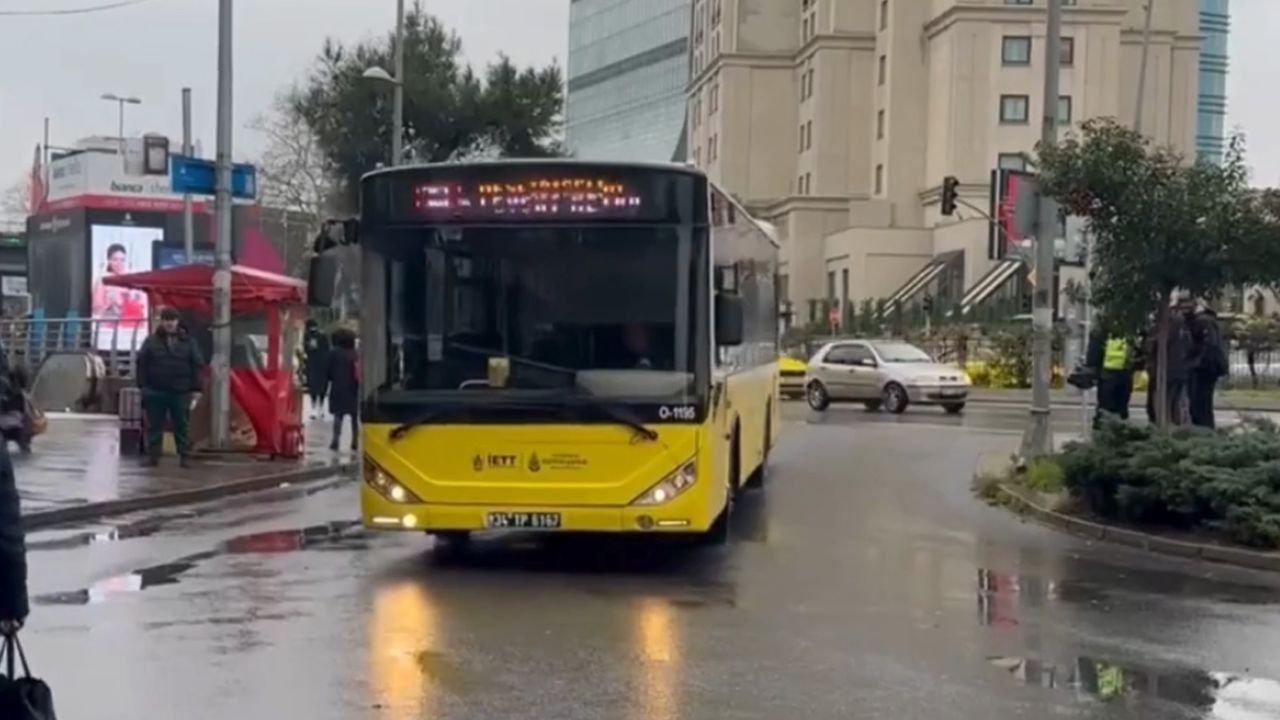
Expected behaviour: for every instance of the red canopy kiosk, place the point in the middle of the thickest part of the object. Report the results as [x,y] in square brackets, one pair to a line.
[267,311]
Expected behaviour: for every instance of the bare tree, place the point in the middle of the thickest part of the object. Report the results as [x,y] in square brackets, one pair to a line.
[16,199]
[293,173]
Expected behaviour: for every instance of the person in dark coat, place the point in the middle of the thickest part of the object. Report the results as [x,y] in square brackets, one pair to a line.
[168,368]
[343,382]
[316,345]
[13,551]
[1176,379]
[1206,362]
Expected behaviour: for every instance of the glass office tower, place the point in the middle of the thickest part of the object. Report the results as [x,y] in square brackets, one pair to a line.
[1215,23]
[628,68]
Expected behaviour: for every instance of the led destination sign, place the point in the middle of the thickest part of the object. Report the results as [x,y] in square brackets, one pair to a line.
[555,191]
[541,197]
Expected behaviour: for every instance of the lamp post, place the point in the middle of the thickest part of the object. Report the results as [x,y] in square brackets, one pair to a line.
[396,80]
[121,102]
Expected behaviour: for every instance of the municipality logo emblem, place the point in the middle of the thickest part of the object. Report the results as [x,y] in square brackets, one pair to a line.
[477,463]
[534,464]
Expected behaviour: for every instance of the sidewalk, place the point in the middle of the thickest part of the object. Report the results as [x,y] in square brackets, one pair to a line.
[77,465]
[1242,400]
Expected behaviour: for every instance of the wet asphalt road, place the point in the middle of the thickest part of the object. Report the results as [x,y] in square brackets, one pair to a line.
[864,582]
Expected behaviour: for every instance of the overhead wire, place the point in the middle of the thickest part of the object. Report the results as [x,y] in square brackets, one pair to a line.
[72,11]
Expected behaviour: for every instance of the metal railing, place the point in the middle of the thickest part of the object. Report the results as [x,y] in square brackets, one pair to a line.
[28,342]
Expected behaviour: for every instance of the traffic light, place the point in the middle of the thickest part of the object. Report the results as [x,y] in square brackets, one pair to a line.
[928,304]
[949,186]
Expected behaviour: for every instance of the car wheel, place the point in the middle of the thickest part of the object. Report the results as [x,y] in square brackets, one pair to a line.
[953,408]
[894,398]
[872,405]
[817,396]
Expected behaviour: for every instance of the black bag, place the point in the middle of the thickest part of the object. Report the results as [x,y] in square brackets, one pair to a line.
[26,697]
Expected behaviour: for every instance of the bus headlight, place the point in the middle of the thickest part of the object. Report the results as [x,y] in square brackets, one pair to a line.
[670,486]
[386,486]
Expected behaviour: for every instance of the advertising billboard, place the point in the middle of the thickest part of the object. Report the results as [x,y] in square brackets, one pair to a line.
[120,250]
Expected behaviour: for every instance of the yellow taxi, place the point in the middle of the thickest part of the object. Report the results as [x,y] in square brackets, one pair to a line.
[791,376]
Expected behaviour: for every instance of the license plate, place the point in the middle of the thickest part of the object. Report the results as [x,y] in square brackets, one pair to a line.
[522,521]
[951,392]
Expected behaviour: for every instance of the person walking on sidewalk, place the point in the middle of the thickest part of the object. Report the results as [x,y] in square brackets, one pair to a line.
[13,551]
[317,350]
[343,382]
[168,367]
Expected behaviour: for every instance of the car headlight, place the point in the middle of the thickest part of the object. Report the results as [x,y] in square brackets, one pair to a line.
[387,486]
[670,486]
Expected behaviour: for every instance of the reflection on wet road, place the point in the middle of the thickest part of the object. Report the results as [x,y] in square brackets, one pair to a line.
[863,582]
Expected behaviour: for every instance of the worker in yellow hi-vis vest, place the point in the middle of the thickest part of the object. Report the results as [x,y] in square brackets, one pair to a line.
[1110,357]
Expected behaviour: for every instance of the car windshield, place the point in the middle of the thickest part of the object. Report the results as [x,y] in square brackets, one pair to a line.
[901,353]
[531,313]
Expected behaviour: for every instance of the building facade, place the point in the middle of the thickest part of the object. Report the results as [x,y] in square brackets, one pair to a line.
[1215,24]
[628,67]
[837,120]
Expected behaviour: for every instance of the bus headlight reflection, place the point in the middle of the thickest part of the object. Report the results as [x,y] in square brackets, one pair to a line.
[670,486]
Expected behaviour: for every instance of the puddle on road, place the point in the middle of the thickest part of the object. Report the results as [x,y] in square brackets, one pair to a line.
[1214,695]
[344,535]
[1001,595]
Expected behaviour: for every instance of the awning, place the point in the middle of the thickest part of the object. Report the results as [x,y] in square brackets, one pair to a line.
[995,278]
[919,281]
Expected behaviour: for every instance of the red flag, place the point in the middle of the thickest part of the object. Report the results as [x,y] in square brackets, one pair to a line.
[36,185]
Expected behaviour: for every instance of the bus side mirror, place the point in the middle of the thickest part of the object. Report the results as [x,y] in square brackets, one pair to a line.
[322,280]
[729,320]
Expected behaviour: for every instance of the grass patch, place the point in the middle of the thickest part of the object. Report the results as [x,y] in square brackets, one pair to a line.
[1045,475]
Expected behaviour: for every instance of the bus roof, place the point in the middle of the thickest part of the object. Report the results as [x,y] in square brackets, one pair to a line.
[570,162]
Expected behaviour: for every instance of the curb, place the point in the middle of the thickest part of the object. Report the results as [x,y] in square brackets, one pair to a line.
[110,508]
[1240,557]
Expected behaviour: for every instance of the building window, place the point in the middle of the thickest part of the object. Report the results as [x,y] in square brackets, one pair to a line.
[713,150]
[844,286]
[1064,109]
[714,102]
[879,179]
[884,14]
[881,69]
[808,183]
[880,125]
[1015,50]
[802,143]
[804,29]
[1013,109]
[1017,2]
[808,134]
[1067,54]
[697,156]
[1011,161]
[811,82]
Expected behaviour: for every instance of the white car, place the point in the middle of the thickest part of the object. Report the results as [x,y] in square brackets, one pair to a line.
[886,374]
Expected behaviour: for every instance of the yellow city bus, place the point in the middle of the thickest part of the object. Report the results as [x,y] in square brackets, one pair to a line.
[559,346]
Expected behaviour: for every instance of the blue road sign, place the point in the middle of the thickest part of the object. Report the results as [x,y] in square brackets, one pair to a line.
[200,177]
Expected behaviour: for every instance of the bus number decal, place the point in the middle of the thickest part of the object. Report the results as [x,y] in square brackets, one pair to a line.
[679,412]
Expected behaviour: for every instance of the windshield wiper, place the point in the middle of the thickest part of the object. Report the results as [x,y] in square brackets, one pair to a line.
[568,410]
[622,416]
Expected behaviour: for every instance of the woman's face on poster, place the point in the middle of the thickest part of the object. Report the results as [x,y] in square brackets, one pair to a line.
[116,262]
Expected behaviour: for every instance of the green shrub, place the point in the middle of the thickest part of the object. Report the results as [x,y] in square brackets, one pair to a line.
[1045,475]
[1228,480]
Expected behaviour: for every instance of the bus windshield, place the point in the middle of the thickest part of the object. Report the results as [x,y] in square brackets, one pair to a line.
[533,312]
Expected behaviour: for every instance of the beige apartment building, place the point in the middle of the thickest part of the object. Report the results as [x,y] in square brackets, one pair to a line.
[837,121]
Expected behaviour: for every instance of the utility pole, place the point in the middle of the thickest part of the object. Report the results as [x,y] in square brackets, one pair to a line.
[397,96]
[221,392]
[1142,68]
[1038,438]
[188,222]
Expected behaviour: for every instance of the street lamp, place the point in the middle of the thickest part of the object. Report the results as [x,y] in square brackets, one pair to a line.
[121,101]
[396,80]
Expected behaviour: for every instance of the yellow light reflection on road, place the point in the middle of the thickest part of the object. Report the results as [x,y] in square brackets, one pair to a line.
[659,672]
[404,626]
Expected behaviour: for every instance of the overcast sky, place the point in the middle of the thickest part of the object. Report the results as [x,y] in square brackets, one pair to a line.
[59,66]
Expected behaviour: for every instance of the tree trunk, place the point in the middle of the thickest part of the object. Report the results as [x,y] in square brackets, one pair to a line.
[1162,361]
